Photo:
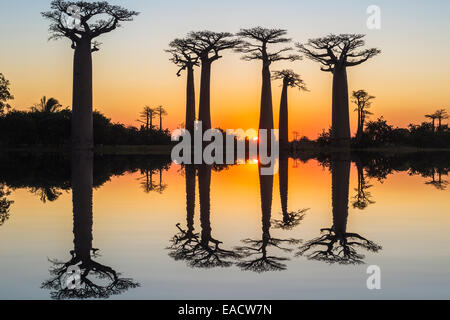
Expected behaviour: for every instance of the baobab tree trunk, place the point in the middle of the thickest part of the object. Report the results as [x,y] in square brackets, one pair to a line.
[266,112]
[341,117]
[205,95]
[82,123]
[190,101]
[284,173]
[266,190]
[284,124]
[340,175]
[360,124]
[82,184]
[190,196]
[204,186]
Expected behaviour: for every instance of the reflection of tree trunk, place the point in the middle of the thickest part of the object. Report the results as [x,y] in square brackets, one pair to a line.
[205,95]
[284,173]
[266,190]
[190,100]
[360,124]
[284,121]
[204,186]
[82,123]
[190,196]
[340,172]
[266,112]
[340,112]
[82,184]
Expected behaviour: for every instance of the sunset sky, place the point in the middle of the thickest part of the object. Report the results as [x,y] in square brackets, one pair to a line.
[410,79]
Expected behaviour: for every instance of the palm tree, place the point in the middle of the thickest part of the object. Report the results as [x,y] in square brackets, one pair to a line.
[47,106]
[433,117]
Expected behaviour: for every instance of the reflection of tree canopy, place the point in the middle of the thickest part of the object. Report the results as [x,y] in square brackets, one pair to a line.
[290,220]
[254,253]
[333,247]
[97,281]
[199,250]
[437,182]
[5,204]
[363,196]
[336,245]
[47,193]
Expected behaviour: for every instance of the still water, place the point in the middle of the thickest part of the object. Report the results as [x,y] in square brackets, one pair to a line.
[144,228]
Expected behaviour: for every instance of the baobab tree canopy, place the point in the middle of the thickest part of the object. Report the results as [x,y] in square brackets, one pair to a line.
[257,40]
[338,50]
[95,19]
[290,78]
[208,44]
[182,55]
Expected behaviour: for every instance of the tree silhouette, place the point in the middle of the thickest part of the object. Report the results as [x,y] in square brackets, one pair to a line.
[184,244]
[363,197]
[254,253]
[146,117]
[293,80]
[207,46]
[336,245]
[5,94]
[95,280]
[200,251]
[94,19]
[254,46]
[5,204]
[47,106]
[441,115]
[433,117]
[336,53]
[363,101]
[184,58]
[438,183]
[161,112]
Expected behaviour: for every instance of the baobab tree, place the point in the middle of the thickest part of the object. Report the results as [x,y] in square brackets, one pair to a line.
[363,102]
[255,253]
[254,46]
[337,245]
[161,112]
[185,59]
[5,94]
[207,46]
[146,117]
[96,281]
[292,80]
[336,53]
[93,19]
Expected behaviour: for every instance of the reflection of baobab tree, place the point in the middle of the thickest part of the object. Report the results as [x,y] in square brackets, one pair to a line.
[147,181]
[184,243]
[95,280]
[5,204]
[255,252]
[291,219]
[203,251]
[336,245]
[437,181]
[363,196]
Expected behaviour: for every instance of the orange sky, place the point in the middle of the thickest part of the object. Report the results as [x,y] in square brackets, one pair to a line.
[409,79]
